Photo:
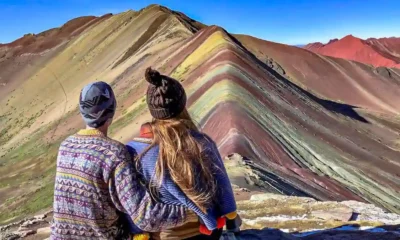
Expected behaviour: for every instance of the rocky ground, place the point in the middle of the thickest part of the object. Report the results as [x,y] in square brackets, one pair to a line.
[270,216]
[273,217]
[36,228]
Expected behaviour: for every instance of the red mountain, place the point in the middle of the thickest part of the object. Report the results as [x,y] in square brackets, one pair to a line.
[378,52]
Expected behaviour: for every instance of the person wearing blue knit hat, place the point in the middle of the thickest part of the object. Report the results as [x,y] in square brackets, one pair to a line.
[97,104]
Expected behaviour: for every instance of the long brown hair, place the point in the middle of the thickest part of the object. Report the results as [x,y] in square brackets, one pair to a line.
[182,155]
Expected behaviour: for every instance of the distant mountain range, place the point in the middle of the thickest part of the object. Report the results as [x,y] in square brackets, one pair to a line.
[377,52]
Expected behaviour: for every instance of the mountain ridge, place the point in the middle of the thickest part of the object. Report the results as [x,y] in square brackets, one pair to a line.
[312,123]
[380,52]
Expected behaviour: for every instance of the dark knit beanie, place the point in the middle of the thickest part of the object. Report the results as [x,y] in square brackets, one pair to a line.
[166,98]
[97,104]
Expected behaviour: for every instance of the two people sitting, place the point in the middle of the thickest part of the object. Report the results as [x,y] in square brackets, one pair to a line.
[168,183]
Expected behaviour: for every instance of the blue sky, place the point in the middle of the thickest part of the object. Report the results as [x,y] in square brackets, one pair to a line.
[285,21]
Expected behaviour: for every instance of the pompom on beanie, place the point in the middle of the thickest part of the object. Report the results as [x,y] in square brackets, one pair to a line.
[166,97]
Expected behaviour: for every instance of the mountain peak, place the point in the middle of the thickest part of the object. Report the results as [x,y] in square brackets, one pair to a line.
[315,45]
[332,41]
[350,37]
[378,52]
[52,37]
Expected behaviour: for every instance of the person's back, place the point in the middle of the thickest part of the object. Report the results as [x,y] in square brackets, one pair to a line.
[180,164]
[223,201]
[96,182]
[83,201]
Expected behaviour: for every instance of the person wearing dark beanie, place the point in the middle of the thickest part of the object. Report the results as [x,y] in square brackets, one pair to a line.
[181,165]
[166,97]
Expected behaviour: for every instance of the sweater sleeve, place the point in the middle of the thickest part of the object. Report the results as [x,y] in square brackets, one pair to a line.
[131,197]
[225,194]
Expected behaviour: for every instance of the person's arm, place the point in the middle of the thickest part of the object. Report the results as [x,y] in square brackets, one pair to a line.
[224,188]
[225,195]
[131,197]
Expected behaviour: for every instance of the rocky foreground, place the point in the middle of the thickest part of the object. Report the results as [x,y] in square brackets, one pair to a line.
[269,215]
[273,217]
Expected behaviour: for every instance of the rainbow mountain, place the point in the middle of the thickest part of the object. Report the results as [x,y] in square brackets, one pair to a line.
[309,125]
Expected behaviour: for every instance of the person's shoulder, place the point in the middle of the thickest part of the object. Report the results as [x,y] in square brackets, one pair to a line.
[72,137]
[115,146]
[69,140]
[207,143]
[117,153]
[114,142]
[139,142]
[203,137]
[132,147]
[138,145]
[106,146]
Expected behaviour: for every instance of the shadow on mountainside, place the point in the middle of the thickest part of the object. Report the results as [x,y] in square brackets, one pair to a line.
[340,108]
[345,232]
[343,109]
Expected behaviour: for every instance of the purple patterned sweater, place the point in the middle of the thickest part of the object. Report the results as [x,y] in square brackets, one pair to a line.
[96,181]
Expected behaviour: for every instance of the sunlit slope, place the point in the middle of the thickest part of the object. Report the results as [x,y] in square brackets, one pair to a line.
[382,52]
[340,80]
[312,125]
[318,147]
[42,109]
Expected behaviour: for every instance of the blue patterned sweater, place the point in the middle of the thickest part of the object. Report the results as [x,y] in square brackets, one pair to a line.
[169,192]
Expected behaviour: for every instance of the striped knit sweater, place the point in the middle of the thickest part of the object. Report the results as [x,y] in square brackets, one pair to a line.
[224,202]
[95,182]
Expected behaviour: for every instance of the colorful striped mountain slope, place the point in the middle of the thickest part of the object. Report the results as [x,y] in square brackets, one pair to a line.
[311,125]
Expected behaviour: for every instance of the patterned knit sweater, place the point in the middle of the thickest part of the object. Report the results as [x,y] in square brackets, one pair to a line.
[169,192]
[95,182]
